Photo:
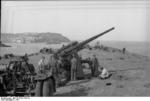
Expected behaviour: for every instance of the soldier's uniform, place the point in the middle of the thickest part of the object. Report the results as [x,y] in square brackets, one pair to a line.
[73,68]
[92,69]
[41,65]
[95,65]
[104,74]
[80,73]
[59,66]
[52,64]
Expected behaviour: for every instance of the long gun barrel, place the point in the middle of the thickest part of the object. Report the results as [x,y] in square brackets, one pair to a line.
[94,37]
[67,46]
[79,46]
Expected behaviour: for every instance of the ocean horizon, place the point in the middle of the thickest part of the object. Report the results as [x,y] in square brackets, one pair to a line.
[142,48]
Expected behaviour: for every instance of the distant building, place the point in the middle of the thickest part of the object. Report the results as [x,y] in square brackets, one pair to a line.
[19,41]
[22,39]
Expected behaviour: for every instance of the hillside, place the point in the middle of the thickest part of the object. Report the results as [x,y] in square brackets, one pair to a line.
[50,38]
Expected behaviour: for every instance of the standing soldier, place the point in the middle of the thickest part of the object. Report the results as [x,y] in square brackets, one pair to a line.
[59,64]
[92,68]
[53,64]
[63,74]
[41,65]
[80,73]
[59,67]
[95,66]
[73,67]
[123,50]
[53,67]
[26,57]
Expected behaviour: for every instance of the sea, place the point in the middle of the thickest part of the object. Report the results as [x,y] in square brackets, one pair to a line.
[142,48]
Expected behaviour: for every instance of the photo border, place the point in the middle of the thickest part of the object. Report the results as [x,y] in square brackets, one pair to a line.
[83,98]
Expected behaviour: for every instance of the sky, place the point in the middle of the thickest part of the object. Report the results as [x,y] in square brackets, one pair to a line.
[79,20]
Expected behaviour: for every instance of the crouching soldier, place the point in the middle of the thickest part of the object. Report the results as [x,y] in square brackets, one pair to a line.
[104,73]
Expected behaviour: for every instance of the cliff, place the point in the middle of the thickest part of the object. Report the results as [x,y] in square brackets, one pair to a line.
[50,38]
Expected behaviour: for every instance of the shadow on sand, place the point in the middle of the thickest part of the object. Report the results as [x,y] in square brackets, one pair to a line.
[79,91]
[4,45]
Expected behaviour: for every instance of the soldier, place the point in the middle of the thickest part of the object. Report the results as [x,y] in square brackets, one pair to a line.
[92,68]
[123,50]
[73,67]
[26,57]
[41,65]
[104,74]
[53,64]
[59,64]
[80,74]
[95,65]
[67,67]
[53,67]
[62,74]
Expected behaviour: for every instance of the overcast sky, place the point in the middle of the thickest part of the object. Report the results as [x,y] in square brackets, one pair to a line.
[79,19]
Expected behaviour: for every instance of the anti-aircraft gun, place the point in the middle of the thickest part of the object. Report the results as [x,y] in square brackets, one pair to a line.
[25,82]
[66,52]
[46,82]
[75,46]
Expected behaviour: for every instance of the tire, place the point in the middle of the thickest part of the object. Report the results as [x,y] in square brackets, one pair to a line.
[39,88]
[48,87]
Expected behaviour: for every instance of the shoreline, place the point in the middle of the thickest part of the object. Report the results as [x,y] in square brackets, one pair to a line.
[38,46]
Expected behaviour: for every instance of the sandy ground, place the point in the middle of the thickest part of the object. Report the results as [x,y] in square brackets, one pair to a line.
[132,76]
[133,79]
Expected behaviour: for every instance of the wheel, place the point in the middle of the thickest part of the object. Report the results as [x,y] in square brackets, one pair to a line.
[48,87]
[12,86]
[39,88]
